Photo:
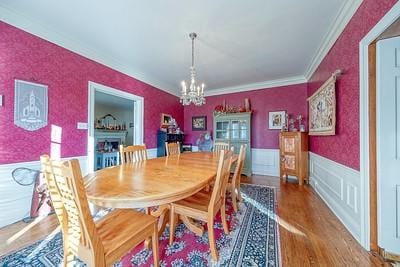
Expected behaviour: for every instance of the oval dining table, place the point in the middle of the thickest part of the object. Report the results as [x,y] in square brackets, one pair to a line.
[153,182]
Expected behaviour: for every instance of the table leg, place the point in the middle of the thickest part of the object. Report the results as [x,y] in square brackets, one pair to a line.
[162,213]
[192,225]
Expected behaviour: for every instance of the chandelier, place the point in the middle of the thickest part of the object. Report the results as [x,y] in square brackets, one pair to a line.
[195,93]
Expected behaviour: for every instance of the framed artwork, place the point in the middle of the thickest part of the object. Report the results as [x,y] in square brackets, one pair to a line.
[166,120]
[276,119]
[199,123]
[322,109]
[30,105]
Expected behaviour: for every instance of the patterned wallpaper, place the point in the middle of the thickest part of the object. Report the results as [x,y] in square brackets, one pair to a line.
[27,57]
[344,147]
[290,98]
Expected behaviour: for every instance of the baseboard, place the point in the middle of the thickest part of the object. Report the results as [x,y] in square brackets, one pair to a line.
[15,201]
[265,161]
[339,187]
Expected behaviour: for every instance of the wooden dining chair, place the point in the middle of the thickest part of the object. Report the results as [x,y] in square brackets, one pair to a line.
[218,146]
[172,148]
[234,180]
[204,205]
[133,153]
[98,243]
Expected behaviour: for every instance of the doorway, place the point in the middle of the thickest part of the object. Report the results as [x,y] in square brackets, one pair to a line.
[114,117]
[378,127]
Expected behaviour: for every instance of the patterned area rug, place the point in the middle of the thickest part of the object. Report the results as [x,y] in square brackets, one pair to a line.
[252,241]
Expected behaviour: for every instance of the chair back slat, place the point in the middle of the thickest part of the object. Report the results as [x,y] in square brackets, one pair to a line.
[78,225]
[56,201]
[172,148]
[218,146]
[132,154]
[221,181]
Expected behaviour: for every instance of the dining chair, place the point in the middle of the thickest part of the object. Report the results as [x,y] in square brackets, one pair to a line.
[234,180]
[218,146]
[204,205]
[133,153]
[172,148]
[99,243]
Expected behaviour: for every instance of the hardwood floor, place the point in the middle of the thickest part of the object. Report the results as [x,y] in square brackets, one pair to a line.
[310,234]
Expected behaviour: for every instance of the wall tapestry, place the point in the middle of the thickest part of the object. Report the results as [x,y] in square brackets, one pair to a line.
[322,109]
[30,105]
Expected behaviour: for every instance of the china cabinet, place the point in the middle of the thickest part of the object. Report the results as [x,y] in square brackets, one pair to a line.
[235,129]
[293,150]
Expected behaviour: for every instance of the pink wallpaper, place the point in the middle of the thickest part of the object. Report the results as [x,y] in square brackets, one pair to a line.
[290,98]
[344,147]
[27,57]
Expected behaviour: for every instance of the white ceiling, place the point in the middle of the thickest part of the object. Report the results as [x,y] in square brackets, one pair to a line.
[241,45]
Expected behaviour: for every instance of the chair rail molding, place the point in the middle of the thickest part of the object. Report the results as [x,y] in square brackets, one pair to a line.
[339,187]
[386,21]
[20,197]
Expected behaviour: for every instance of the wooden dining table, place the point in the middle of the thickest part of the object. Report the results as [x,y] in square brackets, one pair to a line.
[153,182]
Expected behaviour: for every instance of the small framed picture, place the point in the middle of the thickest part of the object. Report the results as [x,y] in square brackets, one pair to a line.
[276,119]
[199,123]
[166,120]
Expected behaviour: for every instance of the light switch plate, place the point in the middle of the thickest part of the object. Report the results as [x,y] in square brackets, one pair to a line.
[82,126]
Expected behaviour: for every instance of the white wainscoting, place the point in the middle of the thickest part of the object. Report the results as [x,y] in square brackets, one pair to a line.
[339,187]
[265,161]
[15,200]
[152,153]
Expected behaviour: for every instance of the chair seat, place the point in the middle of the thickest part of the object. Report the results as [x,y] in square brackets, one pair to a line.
[123,227]
[198,202]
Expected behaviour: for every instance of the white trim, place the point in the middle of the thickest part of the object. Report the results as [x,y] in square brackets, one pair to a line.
[386,21]
[138,131]
[256,86]
[46,32]
[15,201]
[347,11]
[339,187]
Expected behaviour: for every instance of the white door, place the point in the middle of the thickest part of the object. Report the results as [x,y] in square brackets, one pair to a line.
[388,146]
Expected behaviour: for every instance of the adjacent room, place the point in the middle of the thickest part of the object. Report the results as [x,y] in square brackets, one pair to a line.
[199,133]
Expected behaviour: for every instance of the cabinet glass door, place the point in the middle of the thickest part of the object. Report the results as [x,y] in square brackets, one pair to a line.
[244,130]
[235,127]
[222,130]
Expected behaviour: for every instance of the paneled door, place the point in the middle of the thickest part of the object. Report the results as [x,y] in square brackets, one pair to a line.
[388,144]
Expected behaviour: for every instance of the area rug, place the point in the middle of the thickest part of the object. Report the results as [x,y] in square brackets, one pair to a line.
[252,241]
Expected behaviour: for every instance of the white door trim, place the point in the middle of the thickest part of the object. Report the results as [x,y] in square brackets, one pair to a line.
[138,116]
[382,25]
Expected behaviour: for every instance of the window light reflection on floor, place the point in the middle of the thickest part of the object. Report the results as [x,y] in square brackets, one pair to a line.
[272,216]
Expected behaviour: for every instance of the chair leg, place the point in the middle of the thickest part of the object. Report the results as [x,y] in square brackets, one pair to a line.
[154,243]
[172,224]
[239,195]
[211,239]
[223,218]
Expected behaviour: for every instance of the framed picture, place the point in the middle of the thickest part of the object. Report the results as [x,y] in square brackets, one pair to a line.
[199,123]
[30,106]
[276,119]
[322,109]
[166,120]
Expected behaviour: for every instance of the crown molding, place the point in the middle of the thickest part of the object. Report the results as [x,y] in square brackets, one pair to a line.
[347,11]
[257,86]
[34,27]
